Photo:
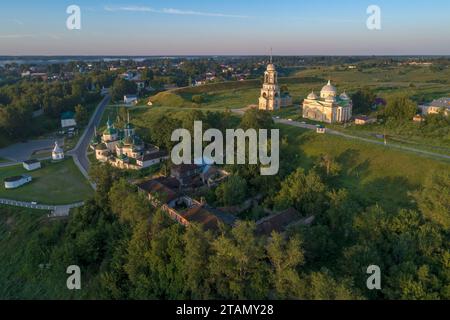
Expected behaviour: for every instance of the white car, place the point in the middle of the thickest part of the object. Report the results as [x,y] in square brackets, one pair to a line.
[290,120]
[34,203]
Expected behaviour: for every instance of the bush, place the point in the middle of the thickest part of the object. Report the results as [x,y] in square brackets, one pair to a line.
[198,99]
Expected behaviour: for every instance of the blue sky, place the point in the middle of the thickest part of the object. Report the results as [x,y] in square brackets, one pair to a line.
[209,27]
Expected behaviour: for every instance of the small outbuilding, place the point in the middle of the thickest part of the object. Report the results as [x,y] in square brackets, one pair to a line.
[321,129]
[57,153]
[68,120]
[130,99]
[363,120]
[17,181]
[32,164]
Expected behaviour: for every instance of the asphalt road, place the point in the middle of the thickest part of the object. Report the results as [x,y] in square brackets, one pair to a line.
[79,153]
[22,151]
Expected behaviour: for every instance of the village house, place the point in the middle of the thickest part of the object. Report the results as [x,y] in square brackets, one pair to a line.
[68,122]
[436,106]
[31,165]
[363,120]
[130,99]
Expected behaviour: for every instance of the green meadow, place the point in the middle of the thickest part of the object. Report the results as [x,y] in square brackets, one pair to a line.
[374,174]
[53,184]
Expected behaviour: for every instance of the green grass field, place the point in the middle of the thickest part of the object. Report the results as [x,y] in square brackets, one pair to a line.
[374,174]
[55,183]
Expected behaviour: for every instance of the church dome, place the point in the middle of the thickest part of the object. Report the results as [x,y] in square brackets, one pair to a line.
[330,99]
[271,67]
[329,89]
[128,141]
[312,96]
[344,96]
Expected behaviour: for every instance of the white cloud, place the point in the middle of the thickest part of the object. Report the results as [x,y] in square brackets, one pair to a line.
[130,8]
[173,11]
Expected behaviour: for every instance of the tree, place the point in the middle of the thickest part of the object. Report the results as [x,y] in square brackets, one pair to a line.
[122,87]
[161,131]
[363,100]
[285,257]
[257,119]
[189,117]
[198,250]
[198,99]
[103,176]
[434,199]
[400,108]
[238,268]
[233,191]
[327,166]
[127,203]
[81,114]
[305,192]
[322,286]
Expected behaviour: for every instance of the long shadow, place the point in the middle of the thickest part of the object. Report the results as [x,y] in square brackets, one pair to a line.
[391,193]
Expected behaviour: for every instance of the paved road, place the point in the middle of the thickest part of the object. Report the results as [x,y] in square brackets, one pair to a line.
[79,153]
[348,136]
[56,211]
[20,152]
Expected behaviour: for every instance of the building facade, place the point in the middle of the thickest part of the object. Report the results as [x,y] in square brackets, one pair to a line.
[328,107]
[437,106]
[32,164]
[271,98]
[124,149]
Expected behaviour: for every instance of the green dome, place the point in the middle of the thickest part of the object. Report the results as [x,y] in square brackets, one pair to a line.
[128,141]
[110,131]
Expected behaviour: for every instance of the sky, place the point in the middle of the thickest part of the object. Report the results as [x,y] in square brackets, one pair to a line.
[225,27]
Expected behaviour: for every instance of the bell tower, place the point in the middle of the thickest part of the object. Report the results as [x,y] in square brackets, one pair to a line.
[270,92]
